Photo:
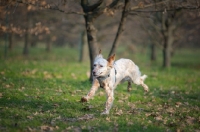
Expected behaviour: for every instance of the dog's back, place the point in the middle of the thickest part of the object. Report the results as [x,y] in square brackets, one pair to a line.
[108,75]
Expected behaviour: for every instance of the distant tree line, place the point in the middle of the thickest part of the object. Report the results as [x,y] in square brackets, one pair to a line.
[166,24]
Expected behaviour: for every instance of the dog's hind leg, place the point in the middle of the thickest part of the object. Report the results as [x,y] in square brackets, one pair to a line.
[140,81]
[142,78]
[129,86]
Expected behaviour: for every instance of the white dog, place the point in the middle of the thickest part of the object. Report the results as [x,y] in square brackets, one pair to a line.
[108,74]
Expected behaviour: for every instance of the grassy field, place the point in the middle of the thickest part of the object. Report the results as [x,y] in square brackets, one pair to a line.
[41,92]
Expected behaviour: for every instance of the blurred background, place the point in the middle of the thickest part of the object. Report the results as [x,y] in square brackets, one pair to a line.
[29,28]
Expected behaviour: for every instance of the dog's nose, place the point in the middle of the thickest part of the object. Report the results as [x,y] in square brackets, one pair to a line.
[93,72]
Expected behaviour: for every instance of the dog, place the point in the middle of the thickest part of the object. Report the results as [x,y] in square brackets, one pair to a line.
[107,74]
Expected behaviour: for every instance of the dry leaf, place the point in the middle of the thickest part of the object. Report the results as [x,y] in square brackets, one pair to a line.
[30,117]
[170,110]
[158,118]
[120,101]
[120,112]
[178,130]
[46,128]
[190,120]
[73,76]
[148,114]
[108,119]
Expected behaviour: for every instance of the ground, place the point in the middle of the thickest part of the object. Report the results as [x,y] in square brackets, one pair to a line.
[41,92]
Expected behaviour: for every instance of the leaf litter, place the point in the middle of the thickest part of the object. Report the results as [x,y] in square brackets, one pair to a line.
[85,117]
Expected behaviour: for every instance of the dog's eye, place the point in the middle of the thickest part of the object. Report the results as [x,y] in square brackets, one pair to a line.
[101,66]
[94,65]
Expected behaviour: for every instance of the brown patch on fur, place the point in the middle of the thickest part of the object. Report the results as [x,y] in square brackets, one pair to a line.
[111,60]
[100,51]
[96,83]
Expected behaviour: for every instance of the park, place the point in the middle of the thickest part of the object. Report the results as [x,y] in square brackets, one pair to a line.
[47,53]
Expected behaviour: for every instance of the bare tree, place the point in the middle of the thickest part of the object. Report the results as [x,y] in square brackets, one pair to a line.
[91,10]
[121,26]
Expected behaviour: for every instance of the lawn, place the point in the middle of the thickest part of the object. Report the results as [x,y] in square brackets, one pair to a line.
[41,92]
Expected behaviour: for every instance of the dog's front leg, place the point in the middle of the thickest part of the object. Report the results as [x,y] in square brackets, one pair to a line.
[110,99]
[95,86]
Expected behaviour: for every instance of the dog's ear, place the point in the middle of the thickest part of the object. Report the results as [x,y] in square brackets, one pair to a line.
[110,60]
[99,55]
[100,51]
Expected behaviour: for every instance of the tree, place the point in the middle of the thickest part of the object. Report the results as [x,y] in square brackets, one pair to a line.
[163,25]
[91,10]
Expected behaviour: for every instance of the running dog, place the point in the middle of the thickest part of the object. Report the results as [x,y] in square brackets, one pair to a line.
[107,74]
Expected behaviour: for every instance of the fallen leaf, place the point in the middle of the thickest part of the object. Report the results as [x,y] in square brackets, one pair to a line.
[148,114]
[46,128]
[170,110]
[190,120]
[178,130]
[108,119]
[30,117]
[73,76]
[158,118]
[120,112]
[120,101]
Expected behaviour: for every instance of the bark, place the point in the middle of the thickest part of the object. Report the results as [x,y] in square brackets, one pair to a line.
[26,50]
[33,39]
[90,29]
[166,55]
[81,46]
[91,13]
[10,39]
[26,36]
[167,31]
[153,52]
[92,42]
[120,28]
[48,44]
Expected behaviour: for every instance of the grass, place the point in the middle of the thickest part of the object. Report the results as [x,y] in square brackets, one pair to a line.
[41,92]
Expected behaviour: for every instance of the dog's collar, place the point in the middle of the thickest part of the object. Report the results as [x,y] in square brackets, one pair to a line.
[105,77]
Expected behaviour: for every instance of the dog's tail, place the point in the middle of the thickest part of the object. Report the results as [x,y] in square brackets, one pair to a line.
[143,77]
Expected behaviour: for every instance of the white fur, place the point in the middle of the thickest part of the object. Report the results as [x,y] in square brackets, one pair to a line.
[108,74]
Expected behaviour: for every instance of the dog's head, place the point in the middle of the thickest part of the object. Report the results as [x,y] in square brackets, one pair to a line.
[101,66]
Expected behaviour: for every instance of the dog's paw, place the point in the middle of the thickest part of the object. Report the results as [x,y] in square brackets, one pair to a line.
[83,99]
[146,90]
[105,113]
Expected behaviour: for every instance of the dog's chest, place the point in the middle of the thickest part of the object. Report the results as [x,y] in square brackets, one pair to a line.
[103,83]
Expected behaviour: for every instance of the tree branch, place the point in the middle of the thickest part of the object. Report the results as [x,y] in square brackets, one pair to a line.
[51,7]
[121,27]
[145,6]
[167,10]
[96,5]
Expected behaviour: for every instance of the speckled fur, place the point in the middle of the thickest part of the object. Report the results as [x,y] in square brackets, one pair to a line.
[108,74]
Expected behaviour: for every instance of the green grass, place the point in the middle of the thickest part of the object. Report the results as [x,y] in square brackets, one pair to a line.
[41,92]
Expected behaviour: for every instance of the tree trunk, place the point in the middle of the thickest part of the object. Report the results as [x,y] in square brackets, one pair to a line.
[120,28]
[10,38]
[92,41]
[26,36]
[26,50]
[153,52]
[166,55]
[48,44]
[91,13]
[81,45]
[33,39]
[90,29]
[167,49]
